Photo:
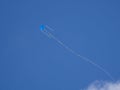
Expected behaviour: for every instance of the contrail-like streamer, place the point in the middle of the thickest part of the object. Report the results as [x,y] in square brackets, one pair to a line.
[49,28]
[46,32]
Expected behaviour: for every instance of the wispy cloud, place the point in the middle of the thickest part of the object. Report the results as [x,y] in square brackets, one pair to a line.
[101,85]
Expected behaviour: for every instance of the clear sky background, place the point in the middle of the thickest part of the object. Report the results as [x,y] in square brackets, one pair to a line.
[31,61]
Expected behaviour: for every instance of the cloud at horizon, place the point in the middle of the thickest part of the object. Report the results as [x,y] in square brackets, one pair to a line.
[103,85]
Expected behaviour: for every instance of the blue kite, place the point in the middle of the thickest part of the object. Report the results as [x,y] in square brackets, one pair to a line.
[42,27]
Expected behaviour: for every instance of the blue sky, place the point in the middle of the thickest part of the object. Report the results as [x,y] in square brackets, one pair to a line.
[31,61]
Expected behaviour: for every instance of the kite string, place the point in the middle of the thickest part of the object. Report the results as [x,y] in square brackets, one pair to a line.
[75,53]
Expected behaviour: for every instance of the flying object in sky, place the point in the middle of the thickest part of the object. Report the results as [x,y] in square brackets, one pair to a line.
[42,27]
[45,30]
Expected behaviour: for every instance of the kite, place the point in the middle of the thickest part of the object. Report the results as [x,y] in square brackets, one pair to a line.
[45,30]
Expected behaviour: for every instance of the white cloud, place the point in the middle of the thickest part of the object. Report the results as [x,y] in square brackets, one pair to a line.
[101,85]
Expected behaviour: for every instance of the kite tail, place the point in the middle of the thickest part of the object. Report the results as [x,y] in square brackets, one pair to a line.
[75,53]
